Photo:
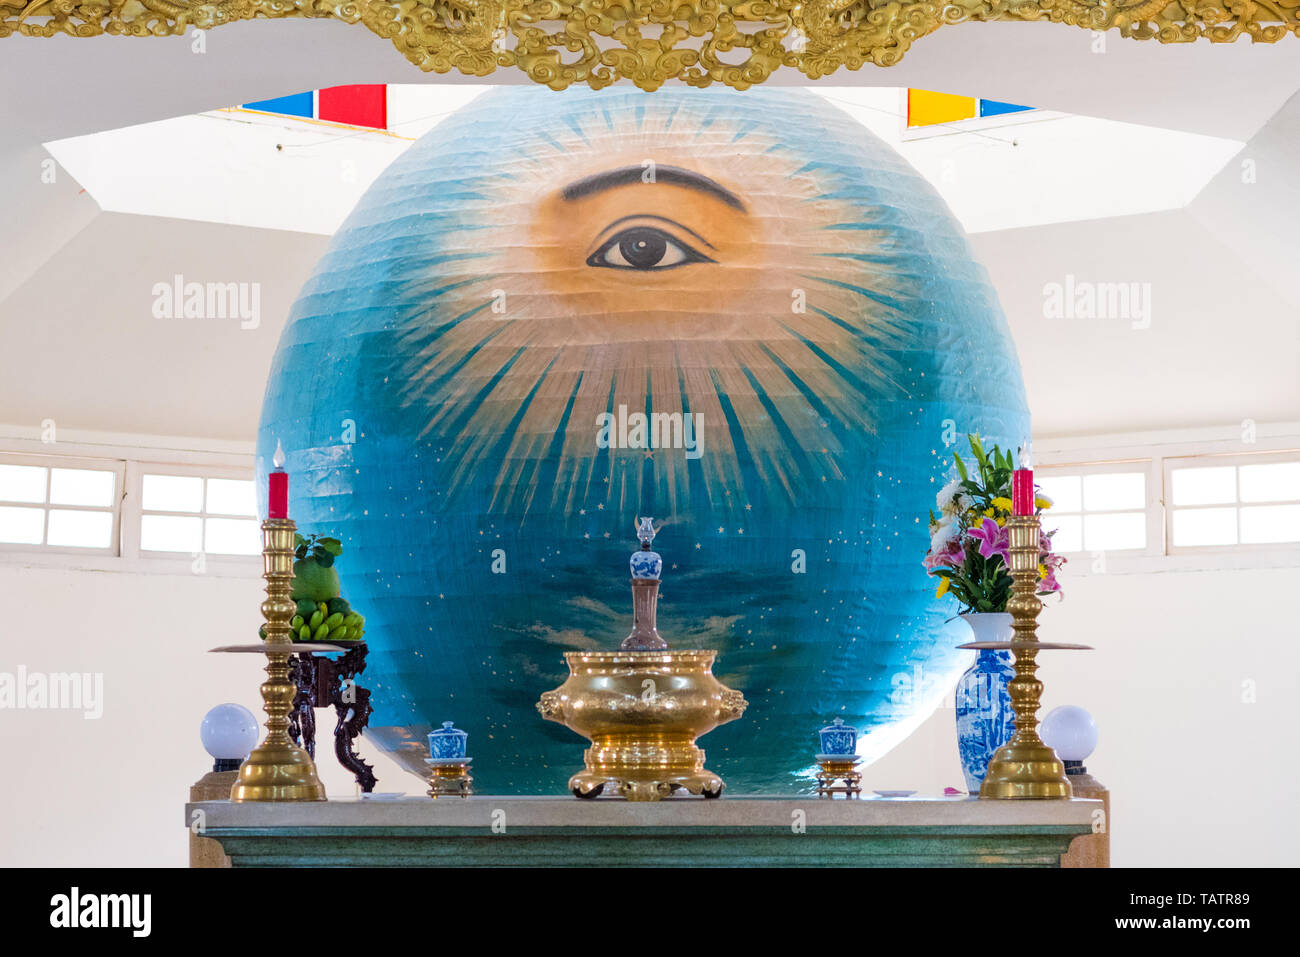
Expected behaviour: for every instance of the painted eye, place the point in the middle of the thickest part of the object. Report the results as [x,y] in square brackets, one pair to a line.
[644,248]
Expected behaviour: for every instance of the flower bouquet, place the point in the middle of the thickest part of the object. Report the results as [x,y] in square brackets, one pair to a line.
[970,554]
[969,543]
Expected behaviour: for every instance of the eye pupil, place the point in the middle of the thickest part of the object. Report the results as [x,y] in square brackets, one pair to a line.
[643,248]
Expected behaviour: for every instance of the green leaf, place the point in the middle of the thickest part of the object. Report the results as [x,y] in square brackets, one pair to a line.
[298,540]
[961,467]
[332,545]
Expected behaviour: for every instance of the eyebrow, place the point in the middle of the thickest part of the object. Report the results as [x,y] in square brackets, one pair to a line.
[673,175]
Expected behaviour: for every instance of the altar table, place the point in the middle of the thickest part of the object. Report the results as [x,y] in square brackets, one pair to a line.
[564,831]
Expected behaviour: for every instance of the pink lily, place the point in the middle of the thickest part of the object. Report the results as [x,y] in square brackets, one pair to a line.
[952,554]
[993,539]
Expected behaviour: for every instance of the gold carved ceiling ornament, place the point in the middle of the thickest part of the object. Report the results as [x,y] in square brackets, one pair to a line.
[736,42]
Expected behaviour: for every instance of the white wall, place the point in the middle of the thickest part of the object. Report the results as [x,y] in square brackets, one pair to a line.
[1221,342]
[110,791]
[1198,776]
[1227,328]
[94,356]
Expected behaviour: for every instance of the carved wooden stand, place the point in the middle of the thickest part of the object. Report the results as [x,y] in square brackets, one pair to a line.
[324,682]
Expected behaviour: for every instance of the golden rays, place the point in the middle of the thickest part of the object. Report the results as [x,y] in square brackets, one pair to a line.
[664,263]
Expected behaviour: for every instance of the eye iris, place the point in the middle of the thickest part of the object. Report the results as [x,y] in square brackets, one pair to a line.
[643,248]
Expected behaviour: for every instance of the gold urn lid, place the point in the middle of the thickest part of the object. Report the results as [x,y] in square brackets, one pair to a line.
[646,566]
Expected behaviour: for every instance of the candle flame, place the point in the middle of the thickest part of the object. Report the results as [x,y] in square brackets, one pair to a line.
[278,459]
[1027,455]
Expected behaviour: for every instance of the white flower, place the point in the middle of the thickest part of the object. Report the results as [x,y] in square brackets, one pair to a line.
[942,536]
[1046,498]
[962,503]
[945,499]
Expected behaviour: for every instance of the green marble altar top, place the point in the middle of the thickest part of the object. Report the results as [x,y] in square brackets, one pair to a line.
[486,830]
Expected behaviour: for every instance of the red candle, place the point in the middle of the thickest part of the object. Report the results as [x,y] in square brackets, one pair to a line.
[277,499]
[1022,485]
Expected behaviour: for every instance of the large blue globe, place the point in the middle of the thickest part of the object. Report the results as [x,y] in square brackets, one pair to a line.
[782,303]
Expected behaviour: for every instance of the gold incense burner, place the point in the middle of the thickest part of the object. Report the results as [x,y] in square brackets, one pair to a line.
[642,711]
[643,706]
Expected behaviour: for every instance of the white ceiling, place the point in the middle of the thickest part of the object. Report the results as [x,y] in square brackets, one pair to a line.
[82,346]
[250,169]
[74,86]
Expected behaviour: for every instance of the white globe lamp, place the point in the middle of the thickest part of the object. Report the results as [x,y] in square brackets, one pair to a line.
[1071,732]
[228,732]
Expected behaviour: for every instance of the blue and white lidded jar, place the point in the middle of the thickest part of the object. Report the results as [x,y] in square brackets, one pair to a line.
[447,744]
[839,738]
[646,563]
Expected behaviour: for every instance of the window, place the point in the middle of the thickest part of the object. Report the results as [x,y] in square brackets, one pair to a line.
[59,504]
[1140,502]
[1179,500]
[189,511]
[117,512]
[1226,501]
[1097,508]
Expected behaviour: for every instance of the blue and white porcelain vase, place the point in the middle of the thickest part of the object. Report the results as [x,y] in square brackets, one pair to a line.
[839,738]
[985,720]
[448,743]
[645,563]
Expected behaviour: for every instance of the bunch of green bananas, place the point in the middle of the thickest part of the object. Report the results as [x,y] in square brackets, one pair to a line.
[321,615]
[332,620]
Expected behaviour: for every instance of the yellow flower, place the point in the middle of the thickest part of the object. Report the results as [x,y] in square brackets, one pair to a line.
[1003,503]
[1042,572]
[943,587]
[1042,503]
[993,514]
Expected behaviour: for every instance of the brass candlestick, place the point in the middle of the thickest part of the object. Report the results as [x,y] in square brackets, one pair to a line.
[1024,767]
[278,770]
